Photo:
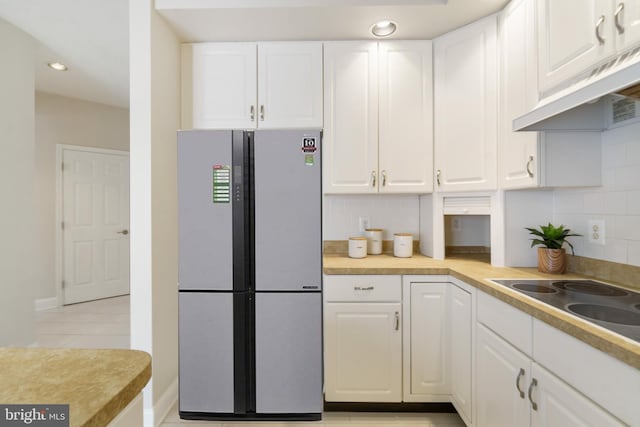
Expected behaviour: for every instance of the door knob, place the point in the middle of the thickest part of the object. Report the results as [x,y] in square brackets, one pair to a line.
[125,232]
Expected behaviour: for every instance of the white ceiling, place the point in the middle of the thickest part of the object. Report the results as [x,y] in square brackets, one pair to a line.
[92,36]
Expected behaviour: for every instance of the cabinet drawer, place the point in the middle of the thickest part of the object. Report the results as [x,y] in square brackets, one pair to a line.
[362,288]
[510,323]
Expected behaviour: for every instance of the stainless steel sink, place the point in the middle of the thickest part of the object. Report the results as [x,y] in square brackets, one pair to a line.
[606,313]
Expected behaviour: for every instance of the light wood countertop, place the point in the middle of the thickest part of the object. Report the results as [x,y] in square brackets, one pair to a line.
[477,273]
[97,384]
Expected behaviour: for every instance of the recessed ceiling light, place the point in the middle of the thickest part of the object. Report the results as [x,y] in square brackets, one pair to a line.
[58,66]
[383,28]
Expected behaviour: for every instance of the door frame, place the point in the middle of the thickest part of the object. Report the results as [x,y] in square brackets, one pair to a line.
[59,267]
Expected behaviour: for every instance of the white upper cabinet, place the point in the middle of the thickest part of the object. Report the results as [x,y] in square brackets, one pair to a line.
[249,85]
[289,85]
[627,23]
[517,151]
[575,35]
[378,117]
[465,93]
[219,85]
[350,138]
[405,144]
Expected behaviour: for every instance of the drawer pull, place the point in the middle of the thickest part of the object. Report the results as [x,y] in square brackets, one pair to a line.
[520,375]
[358,288]
[397,322]
[529,163]
[534,405]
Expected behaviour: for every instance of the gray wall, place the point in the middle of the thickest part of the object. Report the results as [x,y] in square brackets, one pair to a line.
[18,267]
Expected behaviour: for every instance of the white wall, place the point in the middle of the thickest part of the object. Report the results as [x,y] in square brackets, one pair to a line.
[62,120]
[18,268]
[393,213]
[155,117]
[467,230]
[617,201]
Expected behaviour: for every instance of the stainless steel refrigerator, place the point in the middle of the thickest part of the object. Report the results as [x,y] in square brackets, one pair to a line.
[250,274]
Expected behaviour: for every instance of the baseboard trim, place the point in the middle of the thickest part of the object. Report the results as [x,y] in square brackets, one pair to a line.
[388,407]
[165,403]
[46,303]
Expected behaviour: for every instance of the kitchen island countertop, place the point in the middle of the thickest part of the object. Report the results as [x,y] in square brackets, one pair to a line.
[476,273]
[97,384]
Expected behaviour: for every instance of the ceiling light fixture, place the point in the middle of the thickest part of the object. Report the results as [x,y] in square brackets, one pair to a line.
[58,66]
[383,28]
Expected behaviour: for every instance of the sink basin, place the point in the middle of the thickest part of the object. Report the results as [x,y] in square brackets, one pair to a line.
[606,313]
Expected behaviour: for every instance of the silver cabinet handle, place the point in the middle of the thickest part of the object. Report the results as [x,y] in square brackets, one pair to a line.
[616,17]
[397,323]
[359,288]
[384,178]
[598,26]
[262,113]
[534,383]
[252,112]
[520,375]
[529,163]
[125,232]
[438,177]
[373,178]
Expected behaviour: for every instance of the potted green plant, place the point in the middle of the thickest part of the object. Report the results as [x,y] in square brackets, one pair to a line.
[552,256]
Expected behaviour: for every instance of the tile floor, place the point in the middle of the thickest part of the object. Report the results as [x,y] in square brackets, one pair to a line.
[96,324]
[105,324]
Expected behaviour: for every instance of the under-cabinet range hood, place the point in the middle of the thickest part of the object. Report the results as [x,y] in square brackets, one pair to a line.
[609,94]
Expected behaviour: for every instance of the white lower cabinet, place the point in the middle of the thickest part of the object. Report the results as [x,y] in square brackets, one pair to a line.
[512,389]
[502,375]
[428,362]
[558,404]
[461,340]
[363,339]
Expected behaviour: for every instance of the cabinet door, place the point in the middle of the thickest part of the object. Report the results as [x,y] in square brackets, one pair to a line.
[517,151]
[223,86]
[465,107]
[568,41]
[558,404]
[350,138]
[502,375]
[460,336]
[405,143]
[362,352]
[429,363]
[290,85]
[627,14]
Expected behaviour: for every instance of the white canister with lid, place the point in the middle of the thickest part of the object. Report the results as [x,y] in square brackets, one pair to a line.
[403,245]
[374,240]
[357,247]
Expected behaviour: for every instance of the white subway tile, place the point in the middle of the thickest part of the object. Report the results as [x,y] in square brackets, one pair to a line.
[633,256]
[616,250]
[615,202]
[632,157]
[613,156]
[633,202]
[627,177]
[568,202]
[594,203]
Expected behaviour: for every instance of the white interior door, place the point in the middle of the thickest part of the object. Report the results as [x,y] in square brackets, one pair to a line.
[95,215]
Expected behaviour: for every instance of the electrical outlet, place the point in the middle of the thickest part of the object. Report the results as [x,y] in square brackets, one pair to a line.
[363,223]
[596,231]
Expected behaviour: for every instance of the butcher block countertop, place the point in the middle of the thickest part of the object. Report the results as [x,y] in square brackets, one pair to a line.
[477,273]
[97,384]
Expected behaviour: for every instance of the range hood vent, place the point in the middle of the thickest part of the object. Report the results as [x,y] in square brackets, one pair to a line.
[586,105]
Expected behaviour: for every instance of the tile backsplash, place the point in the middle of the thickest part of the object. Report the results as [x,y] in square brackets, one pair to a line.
[393,213]
[617,201]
